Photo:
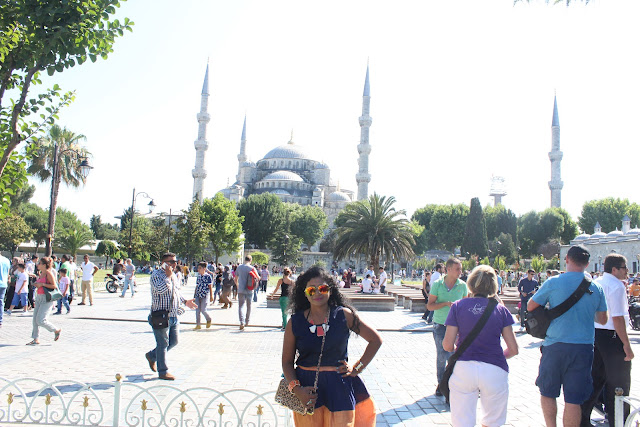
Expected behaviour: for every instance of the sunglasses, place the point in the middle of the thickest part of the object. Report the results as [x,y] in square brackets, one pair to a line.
[311,290]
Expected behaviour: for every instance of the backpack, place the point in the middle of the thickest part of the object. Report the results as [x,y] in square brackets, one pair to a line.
[253,278]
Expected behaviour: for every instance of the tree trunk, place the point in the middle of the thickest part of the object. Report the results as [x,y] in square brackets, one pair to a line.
[52,213]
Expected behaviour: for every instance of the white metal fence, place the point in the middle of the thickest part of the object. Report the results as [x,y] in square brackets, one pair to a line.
[118,403]
[634,415]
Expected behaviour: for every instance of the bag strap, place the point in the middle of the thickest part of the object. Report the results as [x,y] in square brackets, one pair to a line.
[475,331]
[315,382]
[561,309]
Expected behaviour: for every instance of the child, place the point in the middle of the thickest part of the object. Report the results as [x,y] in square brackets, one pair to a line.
[63,285]
[203,289]
[22,289]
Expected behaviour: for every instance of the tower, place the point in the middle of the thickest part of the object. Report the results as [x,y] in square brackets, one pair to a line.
[364,149]
[242,156]
[555,156]
[497,190]
[199,173]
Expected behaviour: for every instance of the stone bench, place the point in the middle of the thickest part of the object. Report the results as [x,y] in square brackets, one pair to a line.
[362,302]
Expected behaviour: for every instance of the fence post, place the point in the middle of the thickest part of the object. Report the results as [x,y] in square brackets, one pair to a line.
[116,401]
[619,407]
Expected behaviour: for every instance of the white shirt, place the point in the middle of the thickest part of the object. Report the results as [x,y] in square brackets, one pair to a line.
[63,283]
[30,267]
[435,276]
[71,274]
[370,273]
[366,285]
[616,295]
[382,280]
[22,278]
[87,270]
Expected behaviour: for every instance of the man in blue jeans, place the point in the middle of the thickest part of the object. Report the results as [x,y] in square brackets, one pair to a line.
[444,292]
[5,265]
[526,287]
[165,295]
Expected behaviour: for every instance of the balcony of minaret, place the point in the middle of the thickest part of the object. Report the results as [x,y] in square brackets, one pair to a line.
[555,156]
[363,177]
[365,120]
[203,117]
[199,173]
[556,185]
[201,144]
[364,149]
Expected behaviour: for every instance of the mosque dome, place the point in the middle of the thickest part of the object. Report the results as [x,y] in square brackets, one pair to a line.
[287,151]
[338,196]
[600,234]
[283,176]
[633,231]
[582,236]
[615,233]
[281,192]
[322,165]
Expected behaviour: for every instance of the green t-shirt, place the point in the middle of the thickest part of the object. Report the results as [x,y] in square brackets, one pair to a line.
[440,290]
[70,274]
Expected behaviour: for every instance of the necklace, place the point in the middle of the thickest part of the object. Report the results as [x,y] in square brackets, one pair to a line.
[320,329]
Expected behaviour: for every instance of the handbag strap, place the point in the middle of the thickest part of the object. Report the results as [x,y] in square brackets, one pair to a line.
[561,309]
[315,382]
[475,331]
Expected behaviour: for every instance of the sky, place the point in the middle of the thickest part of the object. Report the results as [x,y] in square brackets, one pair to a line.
[460,91]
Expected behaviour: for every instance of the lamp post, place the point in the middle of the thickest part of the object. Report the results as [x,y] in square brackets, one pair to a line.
[151,206]
[85,168]
[394,240]
[284,253]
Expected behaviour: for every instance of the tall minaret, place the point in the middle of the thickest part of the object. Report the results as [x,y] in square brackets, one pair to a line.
[555,155]
[242,156]
[364,149]
[199,173]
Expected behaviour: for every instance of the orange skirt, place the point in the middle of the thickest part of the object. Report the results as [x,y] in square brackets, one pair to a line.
[364,415]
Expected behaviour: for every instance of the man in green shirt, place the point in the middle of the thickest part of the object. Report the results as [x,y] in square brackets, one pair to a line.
[444,292]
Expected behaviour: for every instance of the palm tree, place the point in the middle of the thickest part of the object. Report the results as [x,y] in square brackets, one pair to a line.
[70,155]
[72,240]
[373,227]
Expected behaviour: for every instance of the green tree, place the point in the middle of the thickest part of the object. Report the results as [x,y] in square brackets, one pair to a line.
[426,239]
[262,215]
[140,234]
[538,264]
[308,223]
[328,242]
[260,258]
[499,263]
[103,230]
[500,220]
[225,225]
[475,235]
[609,213]
[507,247]
[13,231]
[70,240]
[21,197]
[37,36]
[192,233]
[373,227]
[570,230]
[447,226]
[61,143]
[107,249]
[285,247]
[36,218]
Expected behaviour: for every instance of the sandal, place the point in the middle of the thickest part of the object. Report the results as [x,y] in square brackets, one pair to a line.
[57,333]
[34,342]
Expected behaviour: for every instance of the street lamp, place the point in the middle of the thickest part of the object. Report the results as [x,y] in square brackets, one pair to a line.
[284,253]
[84,167]
[151,206]
[392,258]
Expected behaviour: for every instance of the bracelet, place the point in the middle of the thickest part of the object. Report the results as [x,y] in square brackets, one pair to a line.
[358,367]
[293,384]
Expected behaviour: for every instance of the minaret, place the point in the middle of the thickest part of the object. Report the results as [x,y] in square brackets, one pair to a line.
[364,149]
[199,173]
[242,156]
[555,155]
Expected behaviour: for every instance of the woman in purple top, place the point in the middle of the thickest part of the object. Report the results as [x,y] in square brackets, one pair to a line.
[483,366]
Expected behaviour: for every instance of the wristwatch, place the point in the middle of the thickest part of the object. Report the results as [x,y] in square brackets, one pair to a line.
[358,367]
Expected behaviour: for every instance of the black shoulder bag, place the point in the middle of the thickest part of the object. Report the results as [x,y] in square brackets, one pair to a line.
[537,321]
[160,318]
[444,383]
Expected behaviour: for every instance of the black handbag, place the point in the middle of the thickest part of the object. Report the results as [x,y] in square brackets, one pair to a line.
[160,319]
[444,383]
[537,321]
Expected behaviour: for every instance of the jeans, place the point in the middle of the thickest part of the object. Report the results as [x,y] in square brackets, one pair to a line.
[255,293]
[166,339]
[242,299]
[442,355]
[201,308]
[127,283]
[3,291]
[263,285]
[523,309]
[40,313]
[284,301]
[217,292]
[64,300]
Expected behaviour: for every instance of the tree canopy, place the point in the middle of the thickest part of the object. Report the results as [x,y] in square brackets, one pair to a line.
[609,213]
[475,234]
[225,225]
[262,215]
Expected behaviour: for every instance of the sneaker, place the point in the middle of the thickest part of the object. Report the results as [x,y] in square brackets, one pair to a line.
[7,312]
[81,303]
[198,327]
[57,312]
[438,392]
[121,296]
[208,324]
[241,327]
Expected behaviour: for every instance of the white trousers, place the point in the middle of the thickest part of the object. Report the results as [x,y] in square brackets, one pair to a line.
[470,378]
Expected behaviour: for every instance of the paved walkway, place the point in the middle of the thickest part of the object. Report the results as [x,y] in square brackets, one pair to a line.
[111,337]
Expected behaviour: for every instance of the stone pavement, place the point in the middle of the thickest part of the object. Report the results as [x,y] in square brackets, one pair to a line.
[112,336]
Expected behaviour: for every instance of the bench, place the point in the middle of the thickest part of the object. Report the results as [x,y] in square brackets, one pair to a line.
[360,301]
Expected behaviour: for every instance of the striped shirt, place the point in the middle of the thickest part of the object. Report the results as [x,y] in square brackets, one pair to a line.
[162,290]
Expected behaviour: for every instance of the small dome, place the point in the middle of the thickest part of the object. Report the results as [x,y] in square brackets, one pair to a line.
[288,151]
[615,233]
[322,165]
[338,196]
[283,176]
[598,235]
[281,192]
[582,236]
[634,230]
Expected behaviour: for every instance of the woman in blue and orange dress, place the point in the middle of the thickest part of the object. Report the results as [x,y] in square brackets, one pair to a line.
[319,308]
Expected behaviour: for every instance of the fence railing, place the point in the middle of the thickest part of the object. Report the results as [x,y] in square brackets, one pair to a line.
[634,414]
[118,403]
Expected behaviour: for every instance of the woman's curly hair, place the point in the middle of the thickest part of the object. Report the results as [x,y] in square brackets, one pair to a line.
[299,302]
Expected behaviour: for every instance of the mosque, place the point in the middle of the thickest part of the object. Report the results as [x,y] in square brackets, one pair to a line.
[287,171]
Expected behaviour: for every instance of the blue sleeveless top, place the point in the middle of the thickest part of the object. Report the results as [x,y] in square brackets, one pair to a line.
[308,344]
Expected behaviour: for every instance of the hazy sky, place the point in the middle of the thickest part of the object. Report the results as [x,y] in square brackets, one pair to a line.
[460,91]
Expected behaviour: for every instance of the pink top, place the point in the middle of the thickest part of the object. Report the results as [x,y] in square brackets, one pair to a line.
[42,279]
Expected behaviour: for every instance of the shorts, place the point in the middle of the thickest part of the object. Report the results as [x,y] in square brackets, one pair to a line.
[567,366]
[19,298]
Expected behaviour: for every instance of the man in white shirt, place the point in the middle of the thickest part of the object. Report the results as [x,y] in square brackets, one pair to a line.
[612,352]
[382,281]
[366,284]
[370,272]
[89,269]
[22,288]
[436,275]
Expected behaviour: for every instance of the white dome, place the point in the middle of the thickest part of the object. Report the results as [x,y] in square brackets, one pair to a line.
[634,230]
[598,235]
[582,236]
[338,196]
[288,151]
[615,233]
[283,176]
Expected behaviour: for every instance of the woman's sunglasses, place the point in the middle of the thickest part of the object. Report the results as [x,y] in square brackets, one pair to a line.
[311,290]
